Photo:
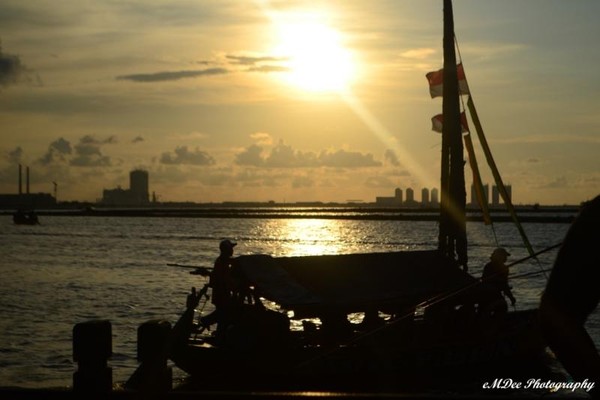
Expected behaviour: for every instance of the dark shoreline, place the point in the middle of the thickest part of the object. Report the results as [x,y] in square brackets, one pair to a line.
[550,215]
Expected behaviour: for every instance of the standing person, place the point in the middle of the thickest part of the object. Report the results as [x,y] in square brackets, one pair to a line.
[221,284]
[572,293]
[495,282]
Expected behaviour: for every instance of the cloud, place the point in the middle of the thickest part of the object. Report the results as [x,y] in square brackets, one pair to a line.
[251,156]
[89,154]
[182,155]
[347,159]
[284,156]
[302,182]
[418,54]
[172,75]
[262,138]
[86,153]
[248,60]
[268,68]
[57,152]
[12,71]
[264,64]
[560,182]
[15,156]
[391,157]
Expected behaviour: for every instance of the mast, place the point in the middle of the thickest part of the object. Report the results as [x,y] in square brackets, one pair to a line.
[452,236]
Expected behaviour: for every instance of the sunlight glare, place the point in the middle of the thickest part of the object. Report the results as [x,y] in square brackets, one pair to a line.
[313,237]
[316,58]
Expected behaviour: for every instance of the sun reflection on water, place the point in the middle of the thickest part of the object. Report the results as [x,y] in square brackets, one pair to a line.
[308,237]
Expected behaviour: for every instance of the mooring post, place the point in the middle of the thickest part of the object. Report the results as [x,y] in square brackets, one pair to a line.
[153,376]
[92,347]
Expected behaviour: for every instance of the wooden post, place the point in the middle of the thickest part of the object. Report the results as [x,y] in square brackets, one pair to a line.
[92,347]
[153,376]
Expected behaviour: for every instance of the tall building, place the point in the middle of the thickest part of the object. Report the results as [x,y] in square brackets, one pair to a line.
[136,195]
[395,201]
[435,200]
[424,197]
[398,195]
[410,197]
[138,186]
[496,194]
[486,195]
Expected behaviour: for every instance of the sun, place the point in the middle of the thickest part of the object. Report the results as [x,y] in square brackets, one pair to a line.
[315,56]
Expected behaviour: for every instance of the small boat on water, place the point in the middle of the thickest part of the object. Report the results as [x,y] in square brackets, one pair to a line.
[423,320]
[25,218]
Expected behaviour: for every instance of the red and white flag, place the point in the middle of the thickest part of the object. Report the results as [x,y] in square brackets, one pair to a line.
[436,82]
[437,123]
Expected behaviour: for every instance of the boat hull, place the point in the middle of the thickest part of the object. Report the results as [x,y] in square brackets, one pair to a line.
[396,356]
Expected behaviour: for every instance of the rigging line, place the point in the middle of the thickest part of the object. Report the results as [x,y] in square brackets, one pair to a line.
[494,169]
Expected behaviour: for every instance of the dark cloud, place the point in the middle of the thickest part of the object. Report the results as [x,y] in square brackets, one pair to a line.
[15,156]
[250,156]
[263,64]
[302,182]
[86,153]
[12,71]
[137,139]
[91,160]
[348,159]
[172,75]
[246,60]
[89,154]
[57,152]
[268,68]
[560,182]
[182,155]
[390,156]
[284,156]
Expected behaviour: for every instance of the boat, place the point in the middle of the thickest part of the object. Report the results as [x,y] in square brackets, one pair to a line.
[25,218]
[422,319]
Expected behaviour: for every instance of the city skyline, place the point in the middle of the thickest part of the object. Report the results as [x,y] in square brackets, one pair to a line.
[268,101]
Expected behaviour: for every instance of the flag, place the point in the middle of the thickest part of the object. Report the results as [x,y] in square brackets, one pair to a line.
[437,123]
[436,81]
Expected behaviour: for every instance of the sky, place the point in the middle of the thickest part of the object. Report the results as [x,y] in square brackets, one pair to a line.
[292,101]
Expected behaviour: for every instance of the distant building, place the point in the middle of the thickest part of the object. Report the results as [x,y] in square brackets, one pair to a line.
[435,199]
[395,201]
[26,200]
[425,197]
[496,194]
[410,197]
[136,195]
[428,199]
[486,195]
[138,186]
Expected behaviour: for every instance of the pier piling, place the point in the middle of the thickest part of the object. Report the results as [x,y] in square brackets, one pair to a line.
[153,376]
[92,347]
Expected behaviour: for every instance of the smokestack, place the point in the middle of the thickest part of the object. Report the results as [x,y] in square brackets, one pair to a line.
[27,180]
[20,180]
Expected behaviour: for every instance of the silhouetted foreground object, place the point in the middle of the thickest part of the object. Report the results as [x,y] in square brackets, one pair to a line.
[92,347]
[433,332]
[572,293]
[153,376]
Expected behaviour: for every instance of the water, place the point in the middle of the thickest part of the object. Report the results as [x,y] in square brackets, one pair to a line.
[72,269]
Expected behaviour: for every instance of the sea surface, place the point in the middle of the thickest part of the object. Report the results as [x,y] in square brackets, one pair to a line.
[71,269]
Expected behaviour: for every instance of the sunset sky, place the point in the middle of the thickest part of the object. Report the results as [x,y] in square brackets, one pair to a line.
[292,100]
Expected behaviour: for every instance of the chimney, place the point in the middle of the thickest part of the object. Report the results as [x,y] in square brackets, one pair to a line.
[27,180]
[20,180]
